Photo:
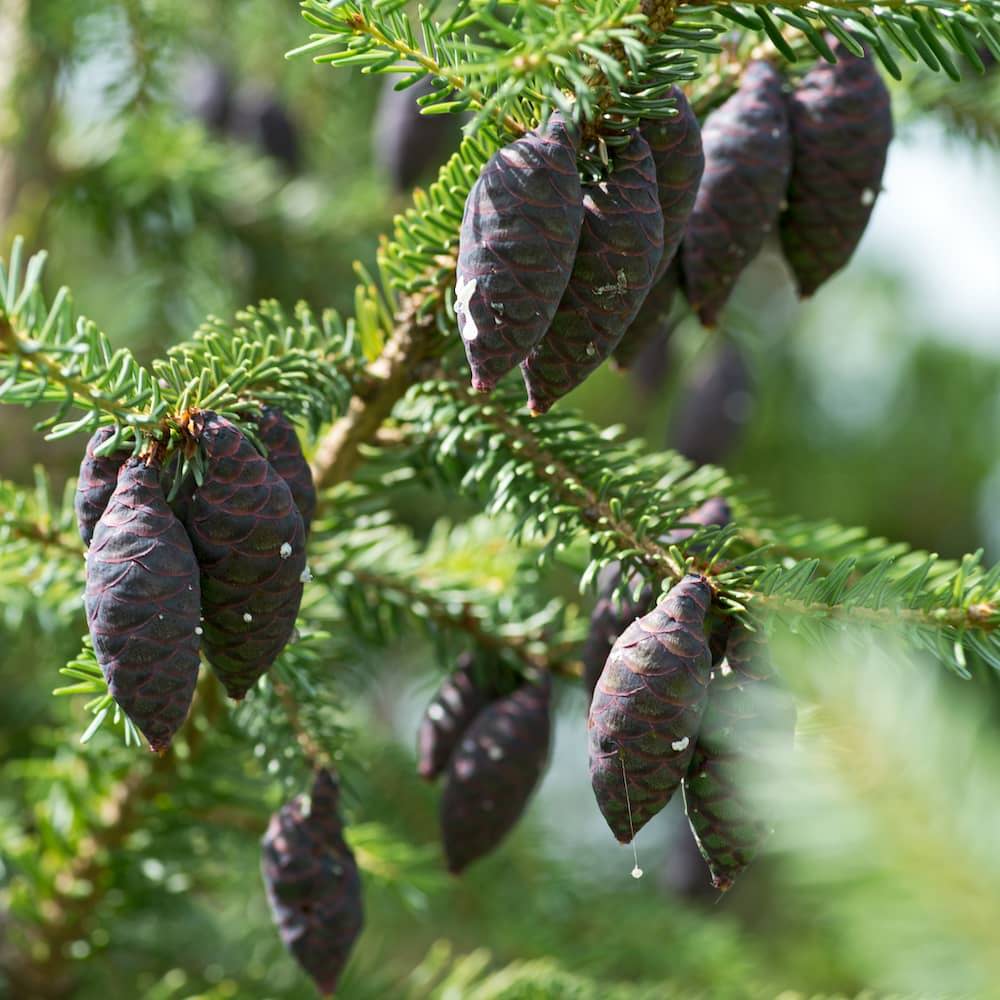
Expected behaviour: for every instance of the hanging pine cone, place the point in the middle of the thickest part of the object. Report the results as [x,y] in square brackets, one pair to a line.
[841,122]
[97,481]
[284,454]
[250,543]
[652,319]
[516,249]
[745,710]
[460,698]
[748,156]
[647,708]
[620,249]
[143,602]
[493,771]
[407,145]
[312,882]
[680,161]
[713,409]
[612,615]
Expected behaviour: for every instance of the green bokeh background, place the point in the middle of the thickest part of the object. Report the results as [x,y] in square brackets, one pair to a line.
[866,411]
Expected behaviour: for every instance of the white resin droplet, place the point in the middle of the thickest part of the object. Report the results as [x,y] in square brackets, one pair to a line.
[285,551]
[681,745]
[725,669]
[305,576]
[247,617]
[867,196]
[199,630]
[637,872]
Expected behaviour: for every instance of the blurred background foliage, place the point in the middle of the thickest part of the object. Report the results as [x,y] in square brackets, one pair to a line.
[175,165]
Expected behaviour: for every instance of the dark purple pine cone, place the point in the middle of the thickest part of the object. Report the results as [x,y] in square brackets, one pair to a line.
[651,320]
[460,698]
[612,615]
[748,156]
[647,708]
[143,602]
[97,481]
[516,250]
[620,249]
[680,161]
[493,771]
[406,145]
[841,122]
[248,536]
[713,409]
[745,711]
[284,453]
[312,882]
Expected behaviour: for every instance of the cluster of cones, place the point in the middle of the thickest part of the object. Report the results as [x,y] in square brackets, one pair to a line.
[557,276]
[218,570]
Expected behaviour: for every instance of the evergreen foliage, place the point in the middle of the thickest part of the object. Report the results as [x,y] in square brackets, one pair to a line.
[442,516]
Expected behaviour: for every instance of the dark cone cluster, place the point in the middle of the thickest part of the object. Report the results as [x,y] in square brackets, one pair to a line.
[612,615]
[748,157]
[620,248]
[493,771]
[249,539]
[746,712]
[97,481]
[459,699]
[312,882]
[679,159]
[143,602]
[284,453]
[841,122]
[650,321]
[518,240]
[647,708]
[713,408]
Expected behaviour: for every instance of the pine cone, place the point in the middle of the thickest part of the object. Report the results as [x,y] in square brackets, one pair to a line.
[460,698]
[312,882]
[611,615]
[284,454]
[620,249]
[97,481]
[748,156]
[516,249]
[745,709]
[493,771]
[841,122]
[680,161]
[143,602]
[713,409]
[647,708]
[250,543]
